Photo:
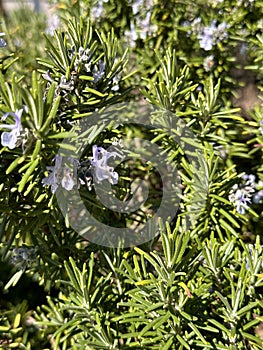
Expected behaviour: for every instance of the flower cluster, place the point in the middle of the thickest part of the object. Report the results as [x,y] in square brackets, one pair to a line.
[82,58]
[60,175]
[96,168]
[211,35]
[241,195]
[64,87]
[141,26]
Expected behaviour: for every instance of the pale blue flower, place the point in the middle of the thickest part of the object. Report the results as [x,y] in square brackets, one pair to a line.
[98,73]
[59,174]
[258,197]
[250,180]
[11,139]
[96,11]
[2,41]
[53,23]
[131,35]
[242,199]
[53,177]
[206,37]
[136,6]
[211,35]
[241,195]
[66,85]
[102,170]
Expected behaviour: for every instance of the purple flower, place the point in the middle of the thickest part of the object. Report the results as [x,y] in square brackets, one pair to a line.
[102,170]
[10,139]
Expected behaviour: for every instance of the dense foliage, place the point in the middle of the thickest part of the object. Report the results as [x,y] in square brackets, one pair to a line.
[198,282]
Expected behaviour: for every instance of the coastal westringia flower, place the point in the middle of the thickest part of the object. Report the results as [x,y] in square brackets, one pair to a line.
[102,171]
[11,139]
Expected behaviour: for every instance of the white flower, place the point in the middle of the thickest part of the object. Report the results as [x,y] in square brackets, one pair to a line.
[208,63]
